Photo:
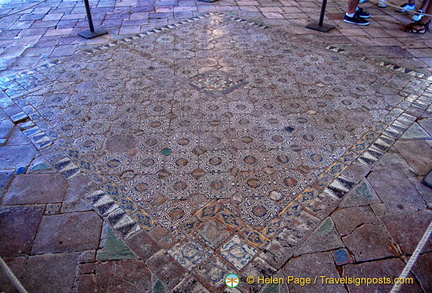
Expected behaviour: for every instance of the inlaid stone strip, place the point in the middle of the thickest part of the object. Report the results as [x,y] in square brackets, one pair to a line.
[385,64]
[339,187]
[102,202]
[20,117]
[122,223]
[67,168]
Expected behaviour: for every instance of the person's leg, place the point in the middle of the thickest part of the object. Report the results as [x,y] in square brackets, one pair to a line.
[428,10]
[421,26]
[356,15]
[424,5]
[421,11]
[352,6]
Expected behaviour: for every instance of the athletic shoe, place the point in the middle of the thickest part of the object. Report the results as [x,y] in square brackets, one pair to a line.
[418,15]
[382,4]
[361,13]
[356,20]
[406,7]
[362,1]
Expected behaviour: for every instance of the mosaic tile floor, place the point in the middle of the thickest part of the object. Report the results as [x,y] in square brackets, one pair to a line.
[221,131]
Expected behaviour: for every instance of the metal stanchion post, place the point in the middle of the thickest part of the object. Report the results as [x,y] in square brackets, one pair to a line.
[92,32]
[320,26]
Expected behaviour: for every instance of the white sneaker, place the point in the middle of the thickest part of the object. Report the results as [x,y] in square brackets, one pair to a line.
[382,4]
[406,7]
[418,15]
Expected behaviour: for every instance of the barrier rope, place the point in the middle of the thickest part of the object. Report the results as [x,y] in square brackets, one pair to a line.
[21,10]
[413,258]
[398,6]
[12,277]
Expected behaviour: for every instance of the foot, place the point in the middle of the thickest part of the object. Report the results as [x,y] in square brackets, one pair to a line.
[382,4]
[418,15]
[416,27]
[356,20]
[361,13]
[406,7]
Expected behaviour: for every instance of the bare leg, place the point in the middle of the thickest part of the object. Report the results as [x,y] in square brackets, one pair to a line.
[424,5]
[352,6]
[421,26]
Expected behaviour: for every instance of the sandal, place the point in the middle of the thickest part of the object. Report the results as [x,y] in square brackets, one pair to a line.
[416,27]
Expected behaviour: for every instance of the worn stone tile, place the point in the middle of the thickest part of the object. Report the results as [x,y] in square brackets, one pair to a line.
[162,237]
[258,268]
[158,287]
[48,272]
[73,201]
[283,246]
[424,191]
[355,172]
[19,225]
[418,155]
[348,219]
[426,124]
[395,191]
[190,253]
[111,276]
[387,270]
[6,127]
[312,266]
[166,269]
[75,232]
[324,238]
[408,228]
[391,161]
[190,284]
[415,131]
[12,157]
[370,241]
[342,256]
[142,245]
[212,272]
[238,253]
[52,209]
[40,165]
[213,233]
[380,209]
[112,247]
[36,188]
[16,265]
[322,205]
[362,194]
[421,270]
[5,179]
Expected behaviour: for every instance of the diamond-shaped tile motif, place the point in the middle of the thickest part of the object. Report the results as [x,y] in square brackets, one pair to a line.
[214,270]
[213,233]
[189,254]
[236,252]
[216,82]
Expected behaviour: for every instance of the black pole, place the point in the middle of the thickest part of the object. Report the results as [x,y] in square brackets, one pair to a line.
[92,33]
[320,26]
[89,17]
[323,7]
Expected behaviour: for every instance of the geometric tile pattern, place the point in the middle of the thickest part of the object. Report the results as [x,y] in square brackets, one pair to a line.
[242,140]
[237,253]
